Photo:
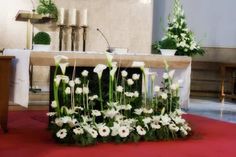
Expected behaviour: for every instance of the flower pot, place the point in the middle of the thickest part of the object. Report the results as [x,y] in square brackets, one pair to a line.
[168,52]
[40,47]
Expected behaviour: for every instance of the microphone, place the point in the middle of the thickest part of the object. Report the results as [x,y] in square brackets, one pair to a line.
[104,37]
[33,5]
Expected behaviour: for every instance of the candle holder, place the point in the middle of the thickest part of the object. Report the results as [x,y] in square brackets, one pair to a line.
[61,28]
[73,34]
[84,36]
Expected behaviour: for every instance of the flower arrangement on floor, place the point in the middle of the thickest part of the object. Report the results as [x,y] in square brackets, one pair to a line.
[77,120]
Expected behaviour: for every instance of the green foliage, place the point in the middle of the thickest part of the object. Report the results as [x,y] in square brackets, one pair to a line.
[42,38]
[156,48]
[47,7]
[167,43]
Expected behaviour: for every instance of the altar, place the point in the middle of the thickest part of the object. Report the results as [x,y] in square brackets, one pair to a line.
[181,64]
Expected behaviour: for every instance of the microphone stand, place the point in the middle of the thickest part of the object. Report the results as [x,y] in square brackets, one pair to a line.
[84,36]
[104,37]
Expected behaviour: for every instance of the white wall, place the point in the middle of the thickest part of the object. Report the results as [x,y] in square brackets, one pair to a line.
[212,21]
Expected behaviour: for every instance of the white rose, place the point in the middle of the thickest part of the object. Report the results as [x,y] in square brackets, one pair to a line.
[78,90]
[85,90]
[124,73]
[71,83]
[135,76]
[77,81]
[67,90]
[130,82]
[84,73]
[119,89]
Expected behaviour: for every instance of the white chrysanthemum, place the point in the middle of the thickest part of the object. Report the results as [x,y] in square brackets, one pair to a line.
[164,96]
[77,81]
[155,125]
[114,129]
[110,113]
[50,114]
[67,90]
[147,111]
[54,104]
[165,76]
[62,133]
[104,131]
[93,133]
[119,89]
[165,120]
[58,59]
[140,130]
[96,113]
[78,131]
[57,80]
[129,94]
[59,122]
[84,73]
[136,94]
[78,90]
[128,107]
[130,82]
[124,73]
[85,90]
[135,77]
[63,67]
[71,83]
[138,111]
[66,119]
[99,70]
[157,89]
[123,131]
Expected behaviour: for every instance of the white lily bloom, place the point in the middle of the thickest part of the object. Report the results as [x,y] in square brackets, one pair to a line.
[171,73]
[109,59]
[119,89]
[156,118]
[112,72]
[78,131]
[140,130]
[147,120]
[67,90]
[128,107]
[99,70]
[147,111]
[71,83]
[183,131]
[124,73]
[93,97]
[165,120]
[164,96]
[135,77]
[54,104]
[59,122]
[84,73]
[96,113]
[157,89]
[130,82]
[129,94]
[110,113]
[78,90]
[63,67]
[58,59]
[138,111]
[85,90]
[179,120]
[123,131]
[104,131]
[66,119]
[62,133]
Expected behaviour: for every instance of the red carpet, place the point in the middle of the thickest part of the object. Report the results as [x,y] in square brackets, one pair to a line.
[28,137]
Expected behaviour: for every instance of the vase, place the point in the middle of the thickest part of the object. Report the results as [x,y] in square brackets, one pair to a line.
[40,47]
[168,52]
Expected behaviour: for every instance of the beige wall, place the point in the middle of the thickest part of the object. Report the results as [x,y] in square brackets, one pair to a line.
[126,23]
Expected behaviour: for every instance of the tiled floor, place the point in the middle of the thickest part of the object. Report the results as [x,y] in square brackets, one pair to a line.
[212,108]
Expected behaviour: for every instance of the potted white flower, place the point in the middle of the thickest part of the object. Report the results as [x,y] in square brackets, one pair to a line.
[41,41]
[168,46]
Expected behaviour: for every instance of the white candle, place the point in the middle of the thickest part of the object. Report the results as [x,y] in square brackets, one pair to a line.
[84,21]
[62,16]
[73,17]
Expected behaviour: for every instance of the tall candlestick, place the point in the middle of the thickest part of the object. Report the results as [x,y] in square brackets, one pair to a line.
[61,16]
[73,17]
[84,21]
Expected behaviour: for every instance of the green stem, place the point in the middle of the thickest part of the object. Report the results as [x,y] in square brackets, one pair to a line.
[55,92]
[100,93]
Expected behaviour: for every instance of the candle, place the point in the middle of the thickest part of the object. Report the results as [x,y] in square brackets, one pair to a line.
[73,17]
[84,21]
[62,16]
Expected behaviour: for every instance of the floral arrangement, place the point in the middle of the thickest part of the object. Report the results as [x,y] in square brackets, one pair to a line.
[77,119]
[177,29]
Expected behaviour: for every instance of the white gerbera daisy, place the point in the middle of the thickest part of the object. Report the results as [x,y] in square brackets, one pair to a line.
[155,125]
[123,132]
[140,130]
[62,133]
[104,131]
[93,133]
